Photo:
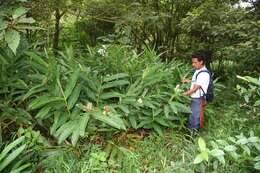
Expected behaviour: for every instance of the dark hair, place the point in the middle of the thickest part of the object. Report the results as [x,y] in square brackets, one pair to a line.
[200,56]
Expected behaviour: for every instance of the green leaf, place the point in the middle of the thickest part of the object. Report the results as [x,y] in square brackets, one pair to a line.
[116,76]
[242,141]
[83,124]
[11,146]
[71,83]
[166,110]
[43,100]
[113,121]
[12,37]
[43,112]
[66,131]
[3,24]
[257,103]
[257,165]
[12,156]
[230,148]
[115,84]
[37,59]
[257,158]
[161,121]
[25,20]
[217,152]
[157,128]
[18,170]
[124,109]
[198,159]
[221,159]
[202,144]
[109,95]
[34,90]
[74,96]
[179,107]
[133,121]
[19,12]
[253,139]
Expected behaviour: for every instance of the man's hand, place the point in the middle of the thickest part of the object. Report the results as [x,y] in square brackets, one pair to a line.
[186,81]
[193,90]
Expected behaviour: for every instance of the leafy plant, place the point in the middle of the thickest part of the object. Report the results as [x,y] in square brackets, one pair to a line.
[236,150]
[11,23]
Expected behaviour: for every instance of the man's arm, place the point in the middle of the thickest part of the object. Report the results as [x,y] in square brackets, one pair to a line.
[192,90]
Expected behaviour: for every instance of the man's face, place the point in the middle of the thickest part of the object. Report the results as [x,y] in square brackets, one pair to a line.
[197,64]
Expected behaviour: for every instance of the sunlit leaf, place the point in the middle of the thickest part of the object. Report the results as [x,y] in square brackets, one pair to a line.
[12,37]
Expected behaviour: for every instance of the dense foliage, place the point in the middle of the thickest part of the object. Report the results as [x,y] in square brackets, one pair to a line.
[95,86]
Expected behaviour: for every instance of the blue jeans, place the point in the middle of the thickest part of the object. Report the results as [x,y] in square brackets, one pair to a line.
[196,119]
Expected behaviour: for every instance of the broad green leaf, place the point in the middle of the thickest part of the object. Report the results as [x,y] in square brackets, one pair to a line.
[25,20]
[75,136]
[202,144]
[166,110]
[205,155]
[133,121]
[253,139]
[253,80]
[242,141]
[11,146]
[109,95]
[198,159]
[71,83]
[43,100]
[161,121]
[157,128]
[116,76]
[12,37]
[179,107]
[37,59]
[74,96]
[63,127]
[149,104]
[221,159]
[83,124]
[230,148]
[66,132]
[3,24]
[19,12]
[115,84]
[145,122]
[257,165]
[18,170]
[43,112]
[113,121]
[257,158]
[124,109]
[34,90]
[217,152]
[257,103]
[246,149]
[11,157]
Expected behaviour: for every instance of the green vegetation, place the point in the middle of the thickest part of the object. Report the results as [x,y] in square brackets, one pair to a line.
[95,86]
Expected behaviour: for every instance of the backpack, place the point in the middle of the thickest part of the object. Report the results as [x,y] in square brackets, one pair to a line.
[209,95]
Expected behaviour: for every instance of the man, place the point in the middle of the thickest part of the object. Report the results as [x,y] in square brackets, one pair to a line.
[199,85]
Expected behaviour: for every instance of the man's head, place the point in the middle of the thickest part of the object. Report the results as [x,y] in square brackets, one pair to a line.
[198,60]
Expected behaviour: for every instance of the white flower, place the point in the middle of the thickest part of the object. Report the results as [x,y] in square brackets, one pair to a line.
[140,101]
[89,106]
[103,50]
[177,87]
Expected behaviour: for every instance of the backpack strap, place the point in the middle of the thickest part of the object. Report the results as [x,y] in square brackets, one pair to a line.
[202,72]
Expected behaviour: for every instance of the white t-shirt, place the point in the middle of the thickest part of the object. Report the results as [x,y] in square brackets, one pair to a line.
[202,80]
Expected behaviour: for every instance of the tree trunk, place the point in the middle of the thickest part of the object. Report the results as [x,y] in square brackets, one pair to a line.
[56,35]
